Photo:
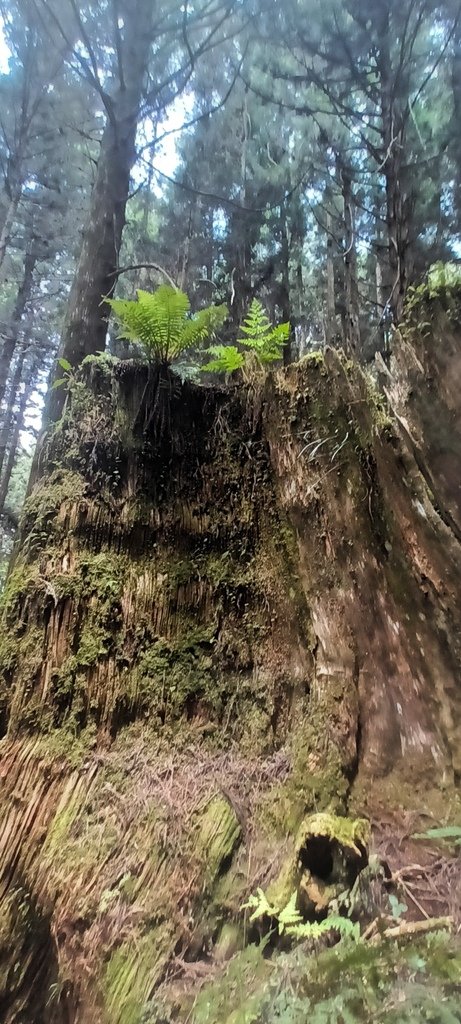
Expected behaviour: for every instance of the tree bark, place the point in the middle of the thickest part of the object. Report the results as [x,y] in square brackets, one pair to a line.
[398,192]
[12,399]
[85,327]
[209,633]
[330,322]
[351,288]
[11,334]
[7,222]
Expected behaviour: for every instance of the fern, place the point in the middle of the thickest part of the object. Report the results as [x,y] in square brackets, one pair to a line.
[227,359]
[160,322]
[260,340]
[260,336]
[291,923]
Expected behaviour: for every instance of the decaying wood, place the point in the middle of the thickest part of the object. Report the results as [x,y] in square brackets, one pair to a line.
[223,614]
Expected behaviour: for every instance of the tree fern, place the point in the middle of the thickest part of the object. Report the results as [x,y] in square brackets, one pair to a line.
[160,322]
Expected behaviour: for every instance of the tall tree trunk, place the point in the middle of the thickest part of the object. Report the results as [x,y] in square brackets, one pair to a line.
[456,141]
[330,319]
[11,335]
[8,416]
[18,426]
[284,291]
[351,288]
[7,221]
[85,327]
[398,196]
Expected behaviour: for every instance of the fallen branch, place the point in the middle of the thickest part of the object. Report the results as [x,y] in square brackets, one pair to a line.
[414,928]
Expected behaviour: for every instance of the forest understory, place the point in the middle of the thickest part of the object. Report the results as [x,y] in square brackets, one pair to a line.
[230,695]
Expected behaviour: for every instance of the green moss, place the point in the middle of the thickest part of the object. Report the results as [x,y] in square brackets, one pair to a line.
[219,833]
[131,974]
[349,834]
[40,515]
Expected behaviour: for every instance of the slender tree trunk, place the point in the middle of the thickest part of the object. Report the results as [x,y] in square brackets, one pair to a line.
[456,93]
[11,403]
[7,221]
[330,321]
[351,288]
[398,197]
[85,327]
[284,293]
[14,439]
[11,335]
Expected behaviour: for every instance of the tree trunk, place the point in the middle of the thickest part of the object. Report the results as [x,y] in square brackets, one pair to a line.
[227,609]
[11,403]
[330,322]
[398,192]
[17,426]
[351,288]
[10,337]
[284,292]
[7,222]
[456,119]
[85,327]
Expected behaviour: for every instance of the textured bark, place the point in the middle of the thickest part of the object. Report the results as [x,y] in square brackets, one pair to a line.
[10,337]
[227,609]
[330,325]
[85,327]
[351,287]
[399,197]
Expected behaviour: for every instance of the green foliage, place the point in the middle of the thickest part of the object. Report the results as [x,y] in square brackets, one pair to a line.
[68,375]
[227,359]
[160,322]
[451,833]
[443,276]
[291,923]
[259,339]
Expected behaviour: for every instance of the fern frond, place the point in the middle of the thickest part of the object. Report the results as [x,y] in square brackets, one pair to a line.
[203,325]
[260,336]
[227,359]
[290,917]
[260,906]
[160,322]
[290,921]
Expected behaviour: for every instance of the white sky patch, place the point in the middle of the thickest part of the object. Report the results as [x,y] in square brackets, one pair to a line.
[163,156]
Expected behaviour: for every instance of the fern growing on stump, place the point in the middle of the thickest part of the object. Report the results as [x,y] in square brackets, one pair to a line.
[262,344]
[160,322]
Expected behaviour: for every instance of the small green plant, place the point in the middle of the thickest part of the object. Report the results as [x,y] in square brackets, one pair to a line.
[65,380]
[259,340]
[452,834]
[161,323]
[291,923]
